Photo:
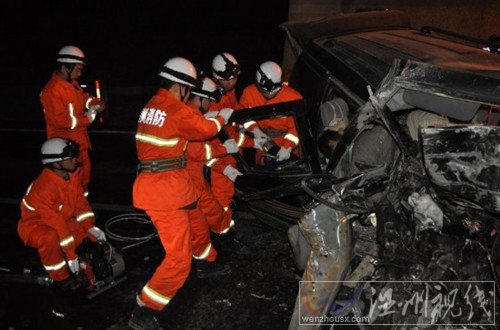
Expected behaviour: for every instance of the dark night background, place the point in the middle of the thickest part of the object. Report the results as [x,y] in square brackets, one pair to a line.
[127,41]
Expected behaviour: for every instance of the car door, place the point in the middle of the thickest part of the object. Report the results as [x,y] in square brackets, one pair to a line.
[274,193]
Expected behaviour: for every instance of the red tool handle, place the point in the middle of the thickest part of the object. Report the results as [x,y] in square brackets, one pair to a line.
[98,95]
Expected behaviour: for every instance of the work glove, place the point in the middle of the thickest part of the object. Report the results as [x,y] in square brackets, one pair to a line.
[74,266]
[211,114]
[231,173]
[284,154]
[91,114]
[226,113]
[258,134]
[231,146]
[97,105]
[258,143]
[97,233]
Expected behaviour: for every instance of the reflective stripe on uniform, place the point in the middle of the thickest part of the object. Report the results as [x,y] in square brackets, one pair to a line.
[29,207]
[208,151]
[292,138]
[219,127]
[205,252]
[74,121]
[67,241]
[249,123]
[157,297]
[84,216]
[241,139]
[211,162]
[231,224]
[156,140]
[87,103]
[55,267]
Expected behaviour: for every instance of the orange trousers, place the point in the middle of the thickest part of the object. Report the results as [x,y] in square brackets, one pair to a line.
[84,170]
[218,220]
[45,240]
[184,234]
[223,190]
[222,187]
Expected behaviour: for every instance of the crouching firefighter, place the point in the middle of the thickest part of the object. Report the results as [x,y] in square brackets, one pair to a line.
[55,215]
[164,188]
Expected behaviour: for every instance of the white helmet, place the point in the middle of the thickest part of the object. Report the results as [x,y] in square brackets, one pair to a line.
[225,66]
[268,77]
[71,54]
[180,70]
[209,90]
[58,149]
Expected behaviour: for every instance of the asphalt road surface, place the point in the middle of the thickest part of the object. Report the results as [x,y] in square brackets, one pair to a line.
[258,293]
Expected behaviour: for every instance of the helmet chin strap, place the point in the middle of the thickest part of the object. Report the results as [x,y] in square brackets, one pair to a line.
[202,109]
[69,69]
[183,92]
[63,171]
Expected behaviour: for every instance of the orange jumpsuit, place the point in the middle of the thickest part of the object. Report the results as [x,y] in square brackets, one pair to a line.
[222,187]
[64,104]
[165,126]
[55,217]
[198,153]
[282,130]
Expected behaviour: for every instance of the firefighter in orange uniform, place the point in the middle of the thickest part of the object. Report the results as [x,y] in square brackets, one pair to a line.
[55,215]
[164,189]
[267,90]
[225,70]
[68,110]
[198,153]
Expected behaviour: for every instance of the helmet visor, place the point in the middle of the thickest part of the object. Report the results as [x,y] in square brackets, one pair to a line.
[266,85]
[231,71]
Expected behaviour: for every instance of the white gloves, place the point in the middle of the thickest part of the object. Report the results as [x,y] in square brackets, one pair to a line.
[259,138]
[74,266]
[91,114]
[231,146]
[284,154]
[211,114]
[97,105]
[99,234]
[258,143]
[258,134]
[226,113]
[231,173]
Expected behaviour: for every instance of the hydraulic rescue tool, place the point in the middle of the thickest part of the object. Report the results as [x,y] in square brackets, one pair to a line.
[101,266]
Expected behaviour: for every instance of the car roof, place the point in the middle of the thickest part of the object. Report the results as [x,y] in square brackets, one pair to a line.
[368,42]
[371,53]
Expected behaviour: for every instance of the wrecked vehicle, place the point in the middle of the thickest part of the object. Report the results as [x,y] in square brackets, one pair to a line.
[406,208]
[396,217]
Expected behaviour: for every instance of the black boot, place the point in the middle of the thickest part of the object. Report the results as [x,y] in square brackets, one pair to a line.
[229,244]
[69,284]
[143,318]
[206,269]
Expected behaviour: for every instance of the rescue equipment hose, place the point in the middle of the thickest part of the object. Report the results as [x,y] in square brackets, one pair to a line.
[136,218]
